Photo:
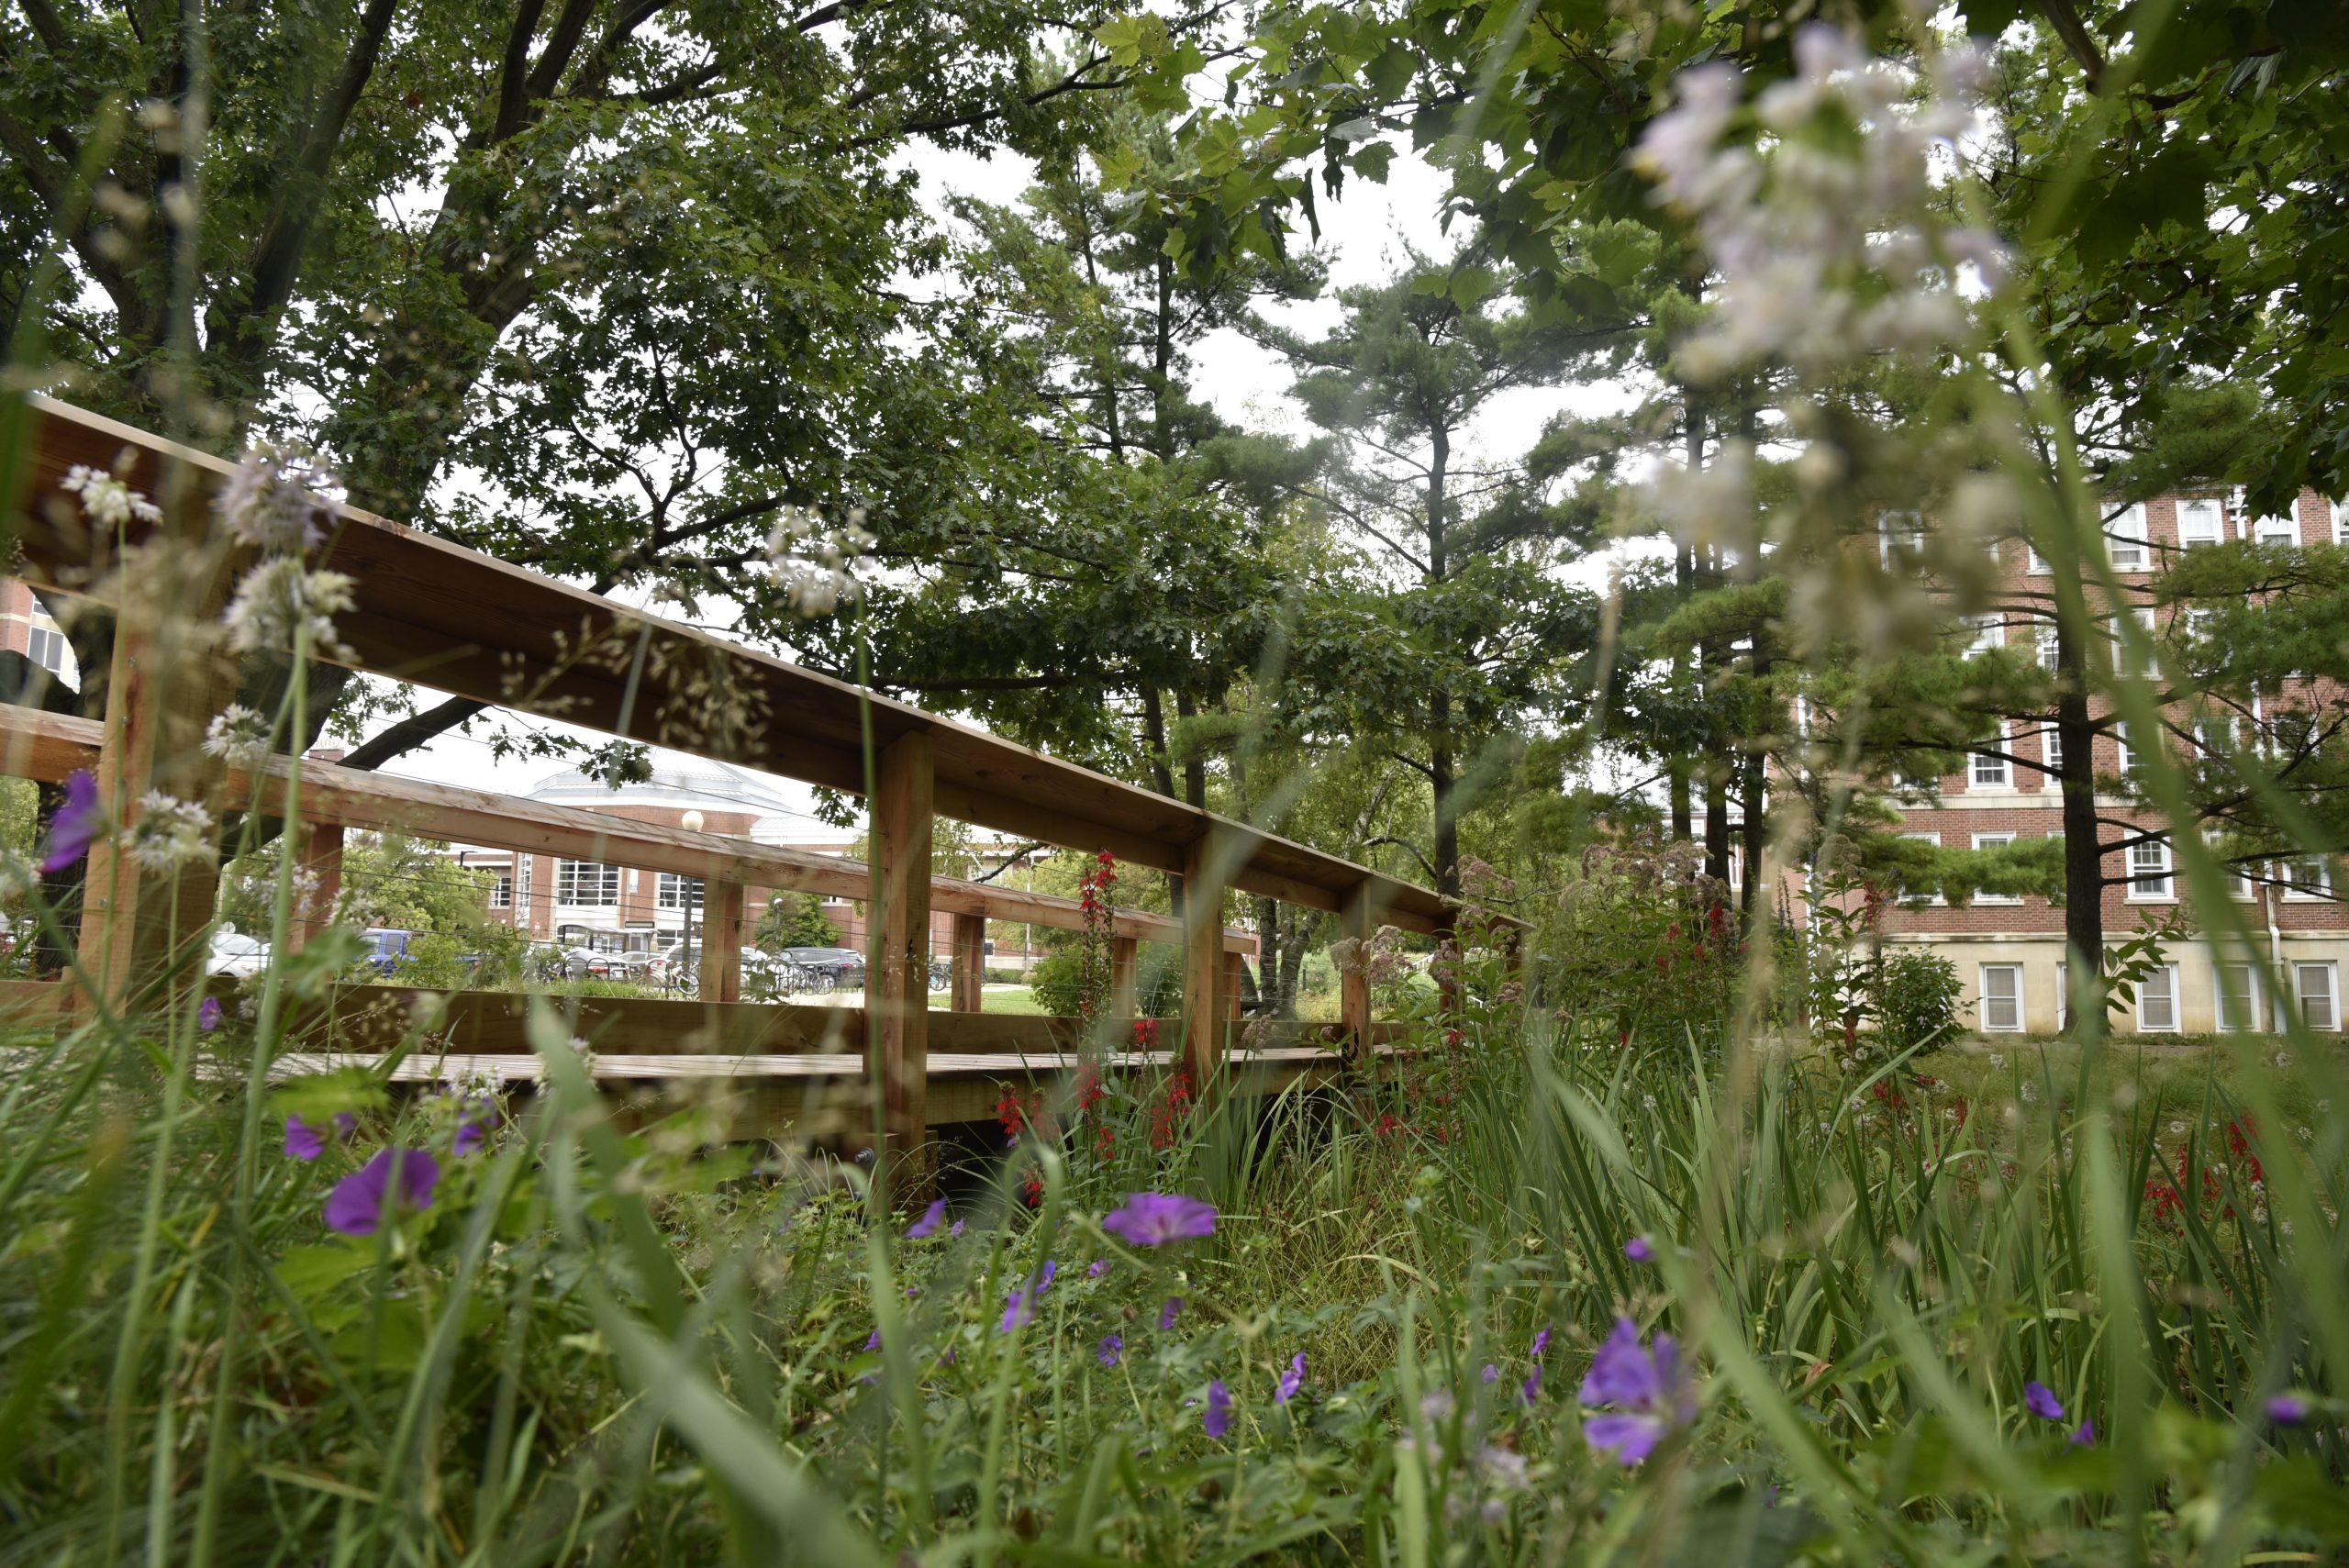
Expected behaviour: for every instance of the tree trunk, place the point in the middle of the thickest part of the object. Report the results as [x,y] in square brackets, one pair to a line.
[2083,852]
[1440,757]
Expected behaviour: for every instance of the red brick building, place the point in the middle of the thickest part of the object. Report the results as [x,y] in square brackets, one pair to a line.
[25,629]
[2009,951]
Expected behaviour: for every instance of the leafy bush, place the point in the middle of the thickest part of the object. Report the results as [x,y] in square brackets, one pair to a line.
[1916,994]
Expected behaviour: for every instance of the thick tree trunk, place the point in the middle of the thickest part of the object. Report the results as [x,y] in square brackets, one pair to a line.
[2083,852]
[1441,774]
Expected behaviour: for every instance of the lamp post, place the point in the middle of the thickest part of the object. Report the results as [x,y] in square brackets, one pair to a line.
[691,822]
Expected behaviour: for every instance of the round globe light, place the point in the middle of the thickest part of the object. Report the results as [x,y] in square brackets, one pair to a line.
[691,822]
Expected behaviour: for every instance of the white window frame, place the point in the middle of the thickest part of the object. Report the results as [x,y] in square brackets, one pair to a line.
[670,892]
[2192,516]
[47,646]
[2051,746]
[1977,761]
[2276,531]
[2240,887]
[1983,1000]
[2144,868]
[1988,840]
[501,891]
[522,880]
[2125,540]
[1890,538]
[2124,759]
[2302,889]
[1932,900]
[2341,522]
[570,875]
[2329,1022]
[2166,994]
[2250,973]
[1988,631]
[2037,565]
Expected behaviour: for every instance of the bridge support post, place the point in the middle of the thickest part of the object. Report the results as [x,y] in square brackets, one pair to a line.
[1125,981]
[1204,1020]
[1354,980]
[722,905]
[970,963]
[322,860]
[897,974]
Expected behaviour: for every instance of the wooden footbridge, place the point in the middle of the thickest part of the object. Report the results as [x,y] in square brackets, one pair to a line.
[435,615]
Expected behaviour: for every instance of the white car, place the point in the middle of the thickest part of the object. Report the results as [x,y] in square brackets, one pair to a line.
[235,954]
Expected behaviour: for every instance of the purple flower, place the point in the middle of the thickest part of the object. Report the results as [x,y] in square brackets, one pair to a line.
[345,1124]
[1638,1250]
[1153,1220]
[1492,1372]
[874,1342]
[2288,1410]
[1291,1381]
[1540,1344]
[1045,1278]
[1017,1310]
[2083,1434]
[1110,1347]
[1100,1266]
[1218,1418]
[77,823]
[403,1177]
[303,1142]
[1531,1389]
[927,1226]
[473,1132]
[2040,1401]
[1648,1388]
[1166,1313]
[955,1231]
[208,1014]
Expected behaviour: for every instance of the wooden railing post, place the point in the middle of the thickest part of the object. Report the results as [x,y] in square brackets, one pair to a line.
[970,963]
[1354,980]
[1204,1023]
[1125,980]
[722,904]
[896,975]
[322,866]
[1235,983]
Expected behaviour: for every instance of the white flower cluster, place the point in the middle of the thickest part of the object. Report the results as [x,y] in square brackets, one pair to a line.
[169,832]
[107,499]
[1828,248]
[237,736]
[281,599]
[277,500]
[815,564]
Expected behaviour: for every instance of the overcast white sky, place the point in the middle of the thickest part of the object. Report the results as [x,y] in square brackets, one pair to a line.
[1366,239]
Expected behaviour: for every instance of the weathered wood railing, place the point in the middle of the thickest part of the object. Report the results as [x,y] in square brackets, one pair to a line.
[435,615]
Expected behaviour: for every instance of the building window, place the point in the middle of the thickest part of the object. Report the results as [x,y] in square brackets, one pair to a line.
[2002,998]
[585,884]
[1919,899]
[2308,879]
[523,867]
[2049,648]
[2051,744]
[2125,537]
[2238,997]
[2149,876]
[46,648]
[2157,1000]
[1987,631]
[2276,530]
[1992,841]
[1993,772]
[2038,565]
[2201,522]
[2129,658]
[501,892]
[679,892]
[1900,534]
[2124,759]
[2319,995]
[2239,883]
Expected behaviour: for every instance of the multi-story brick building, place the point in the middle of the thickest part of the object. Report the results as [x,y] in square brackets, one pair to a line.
[620,908]
[2009,951]
[26,628]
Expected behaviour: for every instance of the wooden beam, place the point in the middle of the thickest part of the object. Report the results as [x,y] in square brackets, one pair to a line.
[1125,979]
[1235,985]
[1202,974]
[721,941]
[897,973]
[1354,980]
[322,860]
[970,963]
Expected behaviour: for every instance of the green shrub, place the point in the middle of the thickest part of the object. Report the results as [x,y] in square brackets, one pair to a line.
[1916,995]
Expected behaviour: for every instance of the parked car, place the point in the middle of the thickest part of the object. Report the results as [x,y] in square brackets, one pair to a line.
[831,969]
[386,949]
[235,954]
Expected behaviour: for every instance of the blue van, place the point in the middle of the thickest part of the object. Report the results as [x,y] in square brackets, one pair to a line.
[387,950]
